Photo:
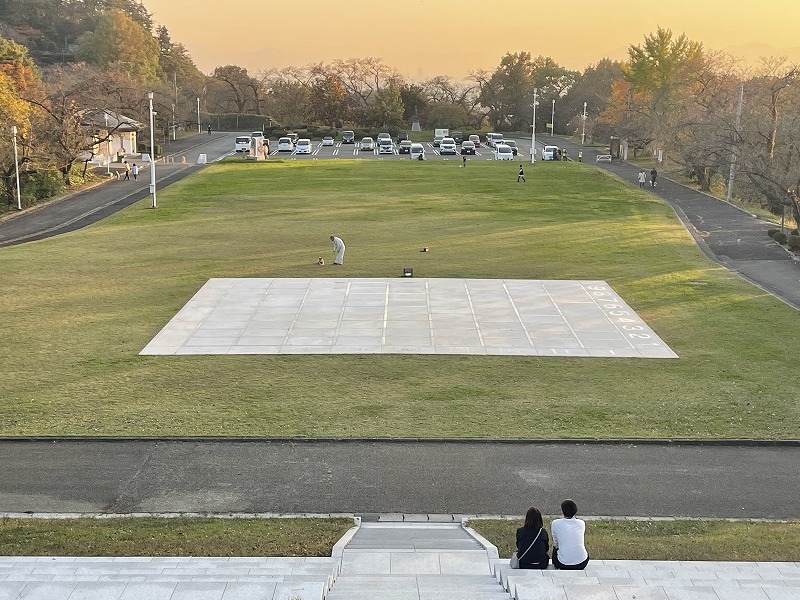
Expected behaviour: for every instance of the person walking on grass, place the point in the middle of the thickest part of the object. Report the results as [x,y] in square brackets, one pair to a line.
[338,248]
[521,174]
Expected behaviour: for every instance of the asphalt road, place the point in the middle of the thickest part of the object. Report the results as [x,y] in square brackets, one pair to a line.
[399,476]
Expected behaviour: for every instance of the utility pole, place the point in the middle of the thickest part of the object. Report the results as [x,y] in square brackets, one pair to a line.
[583,129]
[533,128]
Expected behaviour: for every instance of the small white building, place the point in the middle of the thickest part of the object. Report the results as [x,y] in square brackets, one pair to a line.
[114,135]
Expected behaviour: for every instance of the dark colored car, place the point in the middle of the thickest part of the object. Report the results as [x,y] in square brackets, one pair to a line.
[457,136]
[437,140]
[467,147]
[404,147]
[401,135]
[348,137]
[513,146]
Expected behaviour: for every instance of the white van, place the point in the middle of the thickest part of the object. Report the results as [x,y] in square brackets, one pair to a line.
[549,152]
[417,151]
[503,152]
[242,143]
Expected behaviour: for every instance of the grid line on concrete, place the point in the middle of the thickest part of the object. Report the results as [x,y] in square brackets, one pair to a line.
[408,316]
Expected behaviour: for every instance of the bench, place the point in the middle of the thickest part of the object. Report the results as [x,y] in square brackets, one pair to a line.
[603,158]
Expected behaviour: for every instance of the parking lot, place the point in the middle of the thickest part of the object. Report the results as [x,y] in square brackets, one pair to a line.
[340,150]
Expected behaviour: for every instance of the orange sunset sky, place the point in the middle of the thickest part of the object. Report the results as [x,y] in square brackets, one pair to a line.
[424,38]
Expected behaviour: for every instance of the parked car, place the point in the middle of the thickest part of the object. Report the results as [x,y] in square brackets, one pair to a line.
[404,147]
[437,140]
[401,135]
[503,152]
[383,136]
[367,143]
[285,144]
[385,146]
[242,143]
[475,139]
[327,141]
[467,147]
[492,139]
[303,146]
[348,137]
[457,136]
[513,145]
[550,153]
[293,137]
[447,146]
[417,151]
[257,134]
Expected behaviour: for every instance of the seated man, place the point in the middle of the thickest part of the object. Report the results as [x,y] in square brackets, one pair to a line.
[569,553]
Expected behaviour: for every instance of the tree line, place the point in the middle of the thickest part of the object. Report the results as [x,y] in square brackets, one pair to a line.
[63,59]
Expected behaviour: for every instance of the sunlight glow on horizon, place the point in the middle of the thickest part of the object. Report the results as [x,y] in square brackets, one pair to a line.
[425,38]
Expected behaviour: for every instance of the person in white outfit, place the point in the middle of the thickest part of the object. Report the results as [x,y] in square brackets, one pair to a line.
[338,247]
[569,552]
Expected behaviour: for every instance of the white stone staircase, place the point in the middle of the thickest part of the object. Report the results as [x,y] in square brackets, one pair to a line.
[416,561]
[655,580]
[168,578]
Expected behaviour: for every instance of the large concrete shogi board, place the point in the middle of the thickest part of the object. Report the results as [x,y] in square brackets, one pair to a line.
[408,316]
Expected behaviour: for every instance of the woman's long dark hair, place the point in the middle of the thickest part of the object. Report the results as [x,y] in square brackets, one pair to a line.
[533,519]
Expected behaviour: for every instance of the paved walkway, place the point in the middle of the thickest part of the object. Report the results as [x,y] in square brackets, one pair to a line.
[75,211]
[728,235]
[385,476]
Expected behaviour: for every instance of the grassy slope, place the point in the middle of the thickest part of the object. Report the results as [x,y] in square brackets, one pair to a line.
[669,540]
[78,309]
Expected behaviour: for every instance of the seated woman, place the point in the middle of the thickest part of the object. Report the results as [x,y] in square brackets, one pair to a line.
[533,542]
[569,551]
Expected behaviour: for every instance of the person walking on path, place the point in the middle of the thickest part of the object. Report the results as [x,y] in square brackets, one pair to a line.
[569,552]
[338,248]
[653,175]
[564,155]
[521,174]
[135,171]
[580,155]
[209,130]
[642,178]
[127,170]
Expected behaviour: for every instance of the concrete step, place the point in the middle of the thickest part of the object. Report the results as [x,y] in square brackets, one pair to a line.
[617,580]
[417,587]
[220,590]
[167,578]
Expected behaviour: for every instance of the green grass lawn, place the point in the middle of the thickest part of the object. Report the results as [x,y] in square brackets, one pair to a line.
[150,536]
[668,540]
[78,308]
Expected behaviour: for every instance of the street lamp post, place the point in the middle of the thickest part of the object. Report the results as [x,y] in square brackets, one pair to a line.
[583,129]
[152,154]
[553,120]
[16,167]
[108,145]
[198,114]
[533,128]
